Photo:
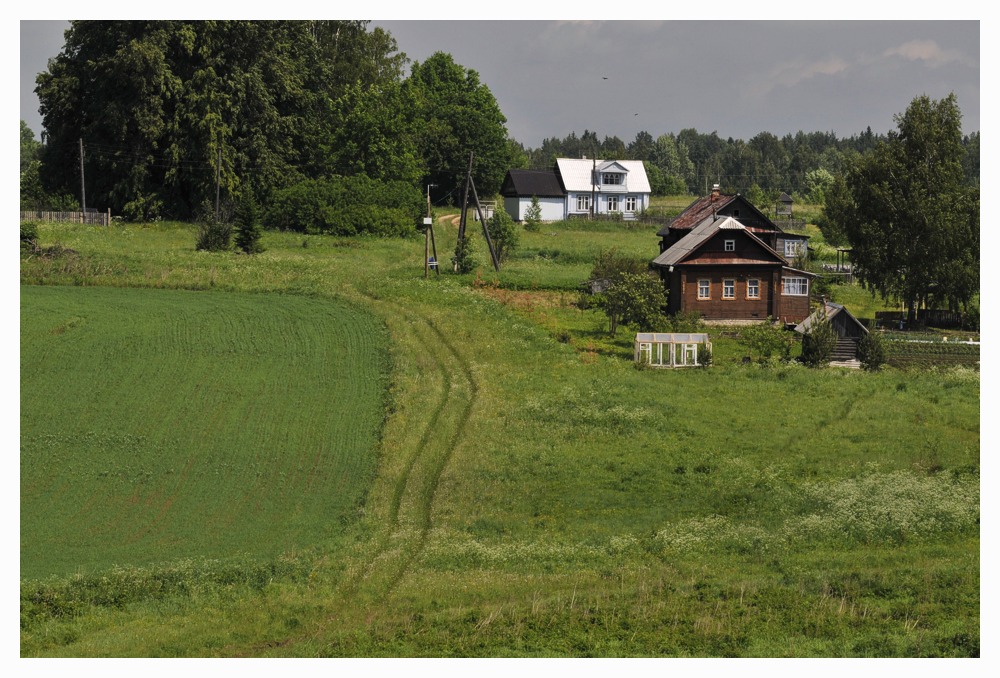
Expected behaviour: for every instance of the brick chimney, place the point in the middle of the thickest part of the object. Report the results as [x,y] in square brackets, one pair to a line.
[715,192]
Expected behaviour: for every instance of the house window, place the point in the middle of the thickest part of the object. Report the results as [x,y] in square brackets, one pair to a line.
[583,203]
[728,289]
[611,179]
[736,214]
[730,245]
[795,286]
[630,203]
[612,203]
[704,289]
[753,288]
[793,248]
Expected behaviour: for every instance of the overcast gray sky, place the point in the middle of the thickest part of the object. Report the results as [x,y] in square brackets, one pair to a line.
[734,77]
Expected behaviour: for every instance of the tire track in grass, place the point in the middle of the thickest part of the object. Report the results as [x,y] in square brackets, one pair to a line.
[391,529]
[409,518]
[429,496]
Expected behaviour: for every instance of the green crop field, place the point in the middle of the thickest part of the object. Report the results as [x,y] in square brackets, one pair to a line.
[533,494]
[162,424]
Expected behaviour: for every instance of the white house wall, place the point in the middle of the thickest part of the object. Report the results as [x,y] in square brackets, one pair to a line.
[513,206]
[553,209]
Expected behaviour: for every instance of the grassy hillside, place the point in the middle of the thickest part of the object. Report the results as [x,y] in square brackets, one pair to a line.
[537,497]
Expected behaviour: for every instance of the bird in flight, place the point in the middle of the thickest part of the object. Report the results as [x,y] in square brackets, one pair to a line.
[604,77]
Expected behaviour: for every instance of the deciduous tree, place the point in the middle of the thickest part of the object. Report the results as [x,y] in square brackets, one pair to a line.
[912,221]
[458,115]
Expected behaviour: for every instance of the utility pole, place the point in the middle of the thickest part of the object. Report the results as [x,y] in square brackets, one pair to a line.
[486,231]
[218,169]
[593,188]
[462,220]
[429,234]
[429,187]
[83,189]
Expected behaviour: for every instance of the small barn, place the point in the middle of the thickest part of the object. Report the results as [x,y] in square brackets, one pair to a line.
[671,349]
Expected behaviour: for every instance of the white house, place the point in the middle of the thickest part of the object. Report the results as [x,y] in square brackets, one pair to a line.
[579,187]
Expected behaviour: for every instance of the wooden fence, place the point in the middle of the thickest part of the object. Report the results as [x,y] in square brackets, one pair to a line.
[93,218]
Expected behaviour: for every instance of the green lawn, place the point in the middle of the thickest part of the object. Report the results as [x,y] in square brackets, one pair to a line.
[536,495]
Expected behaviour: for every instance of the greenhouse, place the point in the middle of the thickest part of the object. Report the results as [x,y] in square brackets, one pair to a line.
[671,349]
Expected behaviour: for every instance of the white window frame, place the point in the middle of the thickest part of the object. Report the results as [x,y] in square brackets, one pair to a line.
[728,288]
[704,285]
[630,203]
[729,245]
[797,286]
[583,202]
[754,285]
[793,248]
[612,179]
[612,203]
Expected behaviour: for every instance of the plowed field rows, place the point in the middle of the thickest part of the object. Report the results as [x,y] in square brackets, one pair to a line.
[160,424]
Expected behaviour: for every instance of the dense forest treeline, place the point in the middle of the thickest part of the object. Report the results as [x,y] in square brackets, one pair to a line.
[690,161]
[165,114]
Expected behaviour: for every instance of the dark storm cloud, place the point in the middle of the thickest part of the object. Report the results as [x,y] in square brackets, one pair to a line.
[734,77]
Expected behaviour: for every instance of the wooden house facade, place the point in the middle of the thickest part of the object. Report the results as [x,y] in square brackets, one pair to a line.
[727,271]
[793,247]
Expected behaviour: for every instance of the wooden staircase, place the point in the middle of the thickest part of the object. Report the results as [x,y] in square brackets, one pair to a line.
[845,354]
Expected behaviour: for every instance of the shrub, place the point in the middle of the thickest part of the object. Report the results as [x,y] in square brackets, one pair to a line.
[464,259]
[766,339]
[347,206]
[144,209]
[871,351]
[818,343]
[634,299]
[214,234]
[503,233]
[611,264]
[686,321]
[29,236]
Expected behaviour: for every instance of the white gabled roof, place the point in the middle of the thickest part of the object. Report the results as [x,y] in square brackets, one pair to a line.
[577,174]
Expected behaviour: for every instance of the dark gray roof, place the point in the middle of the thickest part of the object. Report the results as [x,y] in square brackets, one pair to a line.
[832,310]
[526,183]
[702,232]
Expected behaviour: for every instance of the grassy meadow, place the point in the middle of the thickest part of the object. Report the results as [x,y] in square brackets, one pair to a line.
[527,492]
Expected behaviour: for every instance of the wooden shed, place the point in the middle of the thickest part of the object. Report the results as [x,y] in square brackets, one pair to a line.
[671,349]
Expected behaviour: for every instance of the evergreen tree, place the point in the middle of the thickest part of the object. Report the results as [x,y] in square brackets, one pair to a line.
[533,216]
[248,228]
